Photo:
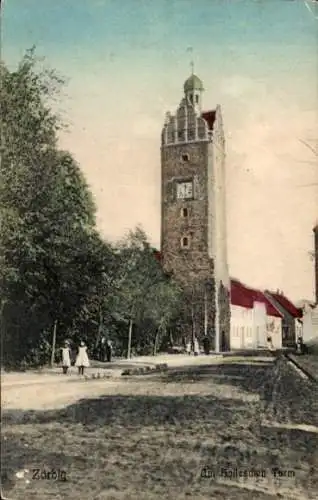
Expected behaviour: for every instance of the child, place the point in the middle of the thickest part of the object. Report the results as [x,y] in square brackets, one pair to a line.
[82,360]
[66,359]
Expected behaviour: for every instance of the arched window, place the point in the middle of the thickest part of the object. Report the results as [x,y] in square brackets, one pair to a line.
[185,242]
[184,212]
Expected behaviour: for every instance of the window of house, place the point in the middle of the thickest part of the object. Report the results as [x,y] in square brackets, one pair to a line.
[185,242]
[185,157]
[184,212]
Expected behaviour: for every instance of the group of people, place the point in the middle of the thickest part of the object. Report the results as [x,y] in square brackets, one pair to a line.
[82,360]
[193,346]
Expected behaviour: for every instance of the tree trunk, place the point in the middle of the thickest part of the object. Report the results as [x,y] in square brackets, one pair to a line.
[129,338]
[99,328]
[156,341]
[53,343]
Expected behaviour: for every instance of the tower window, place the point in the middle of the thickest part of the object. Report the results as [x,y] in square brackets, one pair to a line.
[197,99]
[184,212]
[181,136]
[185,242]
[185,157]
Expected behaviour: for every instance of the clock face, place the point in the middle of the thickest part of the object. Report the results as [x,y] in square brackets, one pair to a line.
[184,190]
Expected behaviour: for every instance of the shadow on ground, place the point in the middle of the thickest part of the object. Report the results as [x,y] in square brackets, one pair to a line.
[135,444]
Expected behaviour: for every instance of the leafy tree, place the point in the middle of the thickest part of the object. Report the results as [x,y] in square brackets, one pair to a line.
[146,298]
[54,266]
[51,256]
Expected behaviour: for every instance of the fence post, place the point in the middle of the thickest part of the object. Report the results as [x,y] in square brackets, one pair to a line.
[53,344]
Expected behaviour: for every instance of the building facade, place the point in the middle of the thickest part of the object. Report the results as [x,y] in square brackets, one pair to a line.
[193,214]
[291,317]
[253,319]
[310,323]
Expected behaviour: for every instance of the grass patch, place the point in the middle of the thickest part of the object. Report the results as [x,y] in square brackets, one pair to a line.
[150,437]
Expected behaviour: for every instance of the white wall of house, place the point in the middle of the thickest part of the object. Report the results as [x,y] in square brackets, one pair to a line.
[310,323]
[259,315]
[250,327]
[241,327]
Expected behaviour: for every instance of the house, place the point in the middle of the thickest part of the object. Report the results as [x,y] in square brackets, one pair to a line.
[253,318]
[310,322]
[292,317]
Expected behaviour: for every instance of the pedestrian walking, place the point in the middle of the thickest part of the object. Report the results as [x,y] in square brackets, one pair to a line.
[196,348]
[102,349]
[206,344]
[82,360]
[188,348]
[109,349]
[270,343]
[66,357]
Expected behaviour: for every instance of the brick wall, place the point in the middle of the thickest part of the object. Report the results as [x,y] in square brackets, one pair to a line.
[202,267]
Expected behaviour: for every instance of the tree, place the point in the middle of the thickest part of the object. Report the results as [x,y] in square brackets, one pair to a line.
[146,298]
[52,259]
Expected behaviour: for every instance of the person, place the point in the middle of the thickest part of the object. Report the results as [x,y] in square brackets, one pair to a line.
[188,348]
[82,360]
[270,343]
[206,344]
[184,343]
[66,358]
[196,348]
[223,341]
[108,351]
[102,349]
[301,348]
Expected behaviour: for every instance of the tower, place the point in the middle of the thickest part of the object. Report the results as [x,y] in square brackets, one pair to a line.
[193,213]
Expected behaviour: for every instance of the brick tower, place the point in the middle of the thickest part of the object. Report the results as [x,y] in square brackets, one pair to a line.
[193,214]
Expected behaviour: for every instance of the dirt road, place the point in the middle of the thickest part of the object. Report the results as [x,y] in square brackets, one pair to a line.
[150,437]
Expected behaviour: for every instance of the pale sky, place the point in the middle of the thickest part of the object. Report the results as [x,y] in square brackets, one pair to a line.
[126,62]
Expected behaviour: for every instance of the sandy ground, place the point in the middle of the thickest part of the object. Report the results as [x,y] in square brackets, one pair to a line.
[27,390]
[149,437]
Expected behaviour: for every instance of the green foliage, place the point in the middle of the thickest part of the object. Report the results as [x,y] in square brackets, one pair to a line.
[144,294]
[53,263]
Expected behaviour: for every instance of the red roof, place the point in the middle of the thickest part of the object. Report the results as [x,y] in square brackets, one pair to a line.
[209,117]
[243,296]
[157,255]
[286,304]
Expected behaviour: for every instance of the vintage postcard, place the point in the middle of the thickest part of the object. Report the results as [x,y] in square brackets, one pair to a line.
[159,249]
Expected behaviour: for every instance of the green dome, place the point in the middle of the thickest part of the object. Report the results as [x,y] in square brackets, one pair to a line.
[193,83]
